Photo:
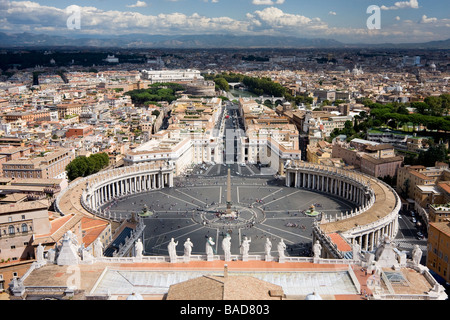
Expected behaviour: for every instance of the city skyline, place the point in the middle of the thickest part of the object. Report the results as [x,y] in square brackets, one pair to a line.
[344,21]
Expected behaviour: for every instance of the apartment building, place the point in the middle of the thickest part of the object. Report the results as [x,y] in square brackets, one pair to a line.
[409,177]
[439,248]
[18,223]
[269,138]
[28,116]
[69,109]
[158,76]
[319,153]
[375,159]
[79,131]
[51,165]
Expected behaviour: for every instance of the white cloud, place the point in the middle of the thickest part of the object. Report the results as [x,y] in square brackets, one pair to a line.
[332,13]
[275,17]
[425,19]
[414,4]
[267,2]
[28,16]
[138,4]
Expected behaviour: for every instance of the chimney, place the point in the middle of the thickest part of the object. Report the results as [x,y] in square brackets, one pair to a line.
[225,271]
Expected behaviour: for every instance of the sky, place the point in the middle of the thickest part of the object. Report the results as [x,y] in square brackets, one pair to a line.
[342,20]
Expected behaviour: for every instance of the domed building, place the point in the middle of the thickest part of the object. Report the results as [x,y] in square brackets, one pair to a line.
[135,296]
[313,296]
[226,287]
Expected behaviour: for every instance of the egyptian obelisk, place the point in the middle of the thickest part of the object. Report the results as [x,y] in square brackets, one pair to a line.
[229,191]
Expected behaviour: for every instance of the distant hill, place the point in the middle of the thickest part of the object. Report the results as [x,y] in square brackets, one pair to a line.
[27,40]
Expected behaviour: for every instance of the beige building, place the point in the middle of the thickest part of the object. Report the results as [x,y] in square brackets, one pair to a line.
[69,109]
[439,248]
[375,159]
[320,153]
[269,138]
[19,223]
[51,165]
[409,177]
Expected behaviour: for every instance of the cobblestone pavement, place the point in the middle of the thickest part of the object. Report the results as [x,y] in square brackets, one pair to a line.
[265,209]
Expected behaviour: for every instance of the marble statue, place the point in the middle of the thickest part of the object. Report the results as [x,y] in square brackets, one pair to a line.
[267,248]
[172,248]
[86,254]
[226,247]
[356,250]
[416,255]
[188,245]
[385,255]
[68,250]
[281,248]
[317,249]
[98,248]
[245,246]
[51,255]
[40,253]
[209,246]
[138,248]
[69,235]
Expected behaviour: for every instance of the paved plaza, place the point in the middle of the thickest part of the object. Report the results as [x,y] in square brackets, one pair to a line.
[195,208]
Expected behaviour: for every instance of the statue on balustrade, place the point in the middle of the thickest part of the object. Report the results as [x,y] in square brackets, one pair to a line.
[188,245]
[416,255]
[356,250]
[138,248]
[268,248]
[281,248]
[245,246]
[172,248]
[317,249]
[210,246]
[226,247]
[40,253]
[98,248]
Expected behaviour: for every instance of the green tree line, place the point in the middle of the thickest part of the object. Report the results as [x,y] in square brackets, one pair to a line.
[155,93]
[432,113]
[83,166]
[259,86]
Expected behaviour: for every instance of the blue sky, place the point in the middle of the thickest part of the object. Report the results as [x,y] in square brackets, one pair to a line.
[343,20]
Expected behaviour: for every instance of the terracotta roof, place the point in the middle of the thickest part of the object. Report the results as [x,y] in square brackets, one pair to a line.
[445,186]
[342,245]
[382,160]
[225,288]
[24,206]
[379,147]
[443,227]
[91,229]
[58,228]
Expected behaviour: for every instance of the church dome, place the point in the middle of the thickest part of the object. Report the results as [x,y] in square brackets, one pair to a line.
[135,296]
[313,296]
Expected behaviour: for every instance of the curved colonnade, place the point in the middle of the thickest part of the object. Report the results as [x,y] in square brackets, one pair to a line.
[88,195]
[376,213]
[377,204]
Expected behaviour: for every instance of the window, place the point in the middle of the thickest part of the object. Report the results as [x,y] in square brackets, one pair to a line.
[24,227]
[11,229]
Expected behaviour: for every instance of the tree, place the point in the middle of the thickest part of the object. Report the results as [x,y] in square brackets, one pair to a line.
[435,105]
[435,153]
[83,166]
[222,84]
[420,107]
